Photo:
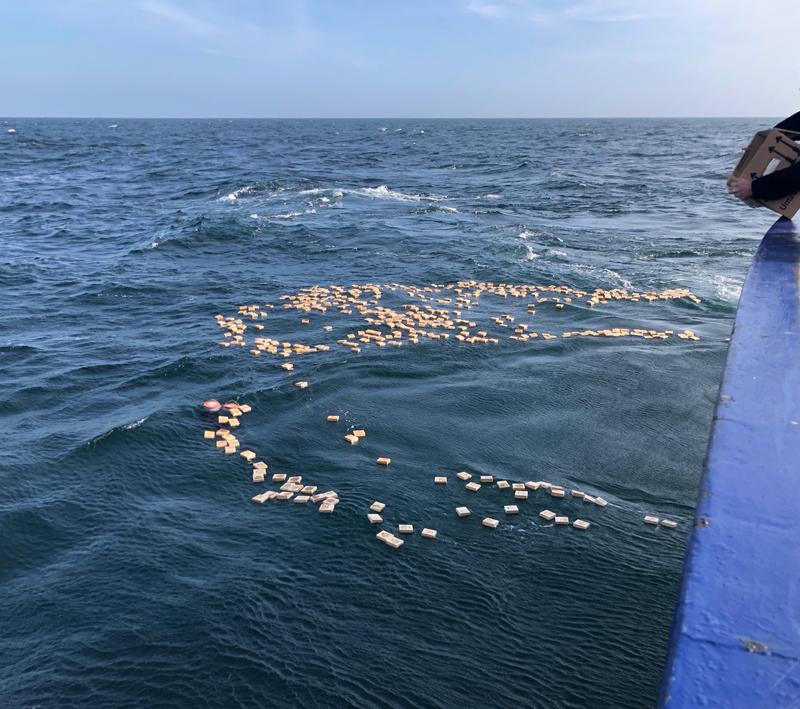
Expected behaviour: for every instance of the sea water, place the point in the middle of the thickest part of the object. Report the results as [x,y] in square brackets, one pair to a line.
[135,570]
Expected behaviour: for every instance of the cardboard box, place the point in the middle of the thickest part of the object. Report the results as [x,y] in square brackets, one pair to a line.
[769,151]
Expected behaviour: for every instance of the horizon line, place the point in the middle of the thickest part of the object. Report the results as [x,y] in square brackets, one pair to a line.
[373,118]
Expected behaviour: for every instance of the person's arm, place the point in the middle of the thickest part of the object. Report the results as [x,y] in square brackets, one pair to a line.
[790,123]
[783,182]
[778,184]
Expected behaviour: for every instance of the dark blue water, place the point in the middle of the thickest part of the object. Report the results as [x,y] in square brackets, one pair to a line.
[136,571]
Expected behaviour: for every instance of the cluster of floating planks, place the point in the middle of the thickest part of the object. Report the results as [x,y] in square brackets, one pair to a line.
[635,332]
[386,536]
[412,323]
[374,517]
[522,490]
[355,435]
[292,486]
[228,415]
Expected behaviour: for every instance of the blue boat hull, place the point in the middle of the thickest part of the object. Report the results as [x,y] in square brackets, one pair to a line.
[736,634]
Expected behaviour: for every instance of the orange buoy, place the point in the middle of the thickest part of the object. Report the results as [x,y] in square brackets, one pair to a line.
[212,405]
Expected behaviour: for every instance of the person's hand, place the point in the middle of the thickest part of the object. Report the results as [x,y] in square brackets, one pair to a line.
[741,187]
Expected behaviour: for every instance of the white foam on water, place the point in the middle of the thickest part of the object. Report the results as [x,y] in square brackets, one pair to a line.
[604,274]
[113,125]
[11,130]
[327,192]
[155,243]
[326,195]
[233,196]
[531,254]
[727,288]
[123,427]
[383,192]
[286,215]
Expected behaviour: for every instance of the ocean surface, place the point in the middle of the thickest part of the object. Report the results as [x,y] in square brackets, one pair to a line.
[134,569]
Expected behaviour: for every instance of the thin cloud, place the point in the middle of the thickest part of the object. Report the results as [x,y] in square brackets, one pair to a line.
[179,18]
[233,35]
[608,12]
[546,12]
[488,9]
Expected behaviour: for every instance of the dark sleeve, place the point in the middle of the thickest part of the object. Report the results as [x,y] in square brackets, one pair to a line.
[790,123]
[783,182]
[778,184]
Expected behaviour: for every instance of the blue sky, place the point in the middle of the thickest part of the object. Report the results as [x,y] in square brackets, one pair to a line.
[397,58]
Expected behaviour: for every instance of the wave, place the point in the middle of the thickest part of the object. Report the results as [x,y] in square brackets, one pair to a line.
[17,349]
[332,191]
[233,196]
[271,188]
[542,236]
[123,427]
[283,215]
[220,231]
[134,424]
[543,239]
[727,288]
[326,195]
[110,292]
[383,192]
[530,253]
[379,192]
[607,275]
